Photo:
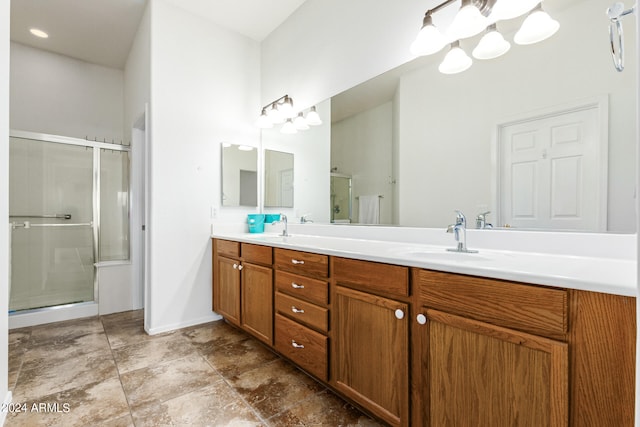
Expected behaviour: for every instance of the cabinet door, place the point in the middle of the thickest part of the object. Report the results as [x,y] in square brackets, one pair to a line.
[370,353]
[227,295]
[484,375]
[257,301]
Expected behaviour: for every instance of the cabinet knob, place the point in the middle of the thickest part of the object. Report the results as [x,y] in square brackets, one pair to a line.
[240,267]
[399,314]
[235,266]
[294,285]
[421,319]
[296,345]
[296,309]
[297,261]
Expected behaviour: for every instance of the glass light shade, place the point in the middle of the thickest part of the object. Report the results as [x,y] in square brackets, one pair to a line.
[468,22]
[300,122]
[263,121]
[509,9]
[537,27]
[39,33]
[288,127]
[275,115]
[313,118]
[456,61]
[286,108]
[429,40]
[492,45]
[245,148]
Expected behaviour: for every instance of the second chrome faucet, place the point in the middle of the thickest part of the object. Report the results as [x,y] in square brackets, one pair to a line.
[459,230]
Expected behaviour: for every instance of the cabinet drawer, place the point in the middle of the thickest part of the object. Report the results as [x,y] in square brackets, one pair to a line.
[372,276]
[302,262]
[257,254]
[313,290]
[528,308]
[228,248]
[305,347]
[303,312]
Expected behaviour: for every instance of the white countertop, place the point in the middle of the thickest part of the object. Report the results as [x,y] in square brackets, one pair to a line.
[593,267]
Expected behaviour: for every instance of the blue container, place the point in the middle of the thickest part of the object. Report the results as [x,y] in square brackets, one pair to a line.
[270,218]
[256,223]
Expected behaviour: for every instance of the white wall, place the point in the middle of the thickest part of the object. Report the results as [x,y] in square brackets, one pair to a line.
[362,146]
[137,74]
[59,95]
[4,204]
[446,122]
[328,46]
[204,90]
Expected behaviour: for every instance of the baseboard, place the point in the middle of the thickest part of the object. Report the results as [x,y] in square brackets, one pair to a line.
[192,322]
[7,400]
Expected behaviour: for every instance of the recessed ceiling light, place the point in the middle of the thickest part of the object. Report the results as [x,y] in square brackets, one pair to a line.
[39,33]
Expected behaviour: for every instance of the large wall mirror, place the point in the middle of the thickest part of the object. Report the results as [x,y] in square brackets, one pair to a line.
[278,179]
[426,142]
[239,175]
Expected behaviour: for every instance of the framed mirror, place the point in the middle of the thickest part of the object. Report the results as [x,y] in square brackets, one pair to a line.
[239,175]
[278,179]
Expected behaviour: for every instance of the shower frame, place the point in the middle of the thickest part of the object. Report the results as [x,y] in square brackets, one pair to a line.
[96,146]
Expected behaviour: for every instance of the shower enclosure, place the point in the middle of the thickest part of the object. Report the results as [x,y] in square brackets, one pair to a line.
[68,209]
[340,198]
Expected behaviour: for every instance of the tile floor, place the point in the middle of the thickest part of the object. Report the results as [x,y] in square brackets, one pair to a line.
[107,371]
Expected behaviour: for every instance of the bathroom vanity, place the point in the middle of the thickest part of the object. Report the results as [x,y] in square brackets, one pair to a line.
[433,346]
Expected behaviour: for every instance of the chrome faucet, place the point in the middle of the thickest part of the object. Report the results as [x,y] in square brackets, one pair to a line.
[283,219]
[459,230]
[481,220]
[304,219]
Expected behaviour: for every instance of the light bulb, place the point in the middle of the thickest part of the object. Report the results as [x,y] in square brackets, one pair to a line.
[300,122]
[274,114]
[537,27]
[288,127]
[286,108]
[263,121]
[429,40]
[39,33]
[468,22]
[313,118]
[456,60]
[509,9]
[492,45]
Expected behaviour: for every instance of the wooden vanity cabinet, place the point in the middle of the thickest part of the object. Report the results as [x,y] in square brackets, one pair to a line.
[243,286]
[302,309]
[370,337]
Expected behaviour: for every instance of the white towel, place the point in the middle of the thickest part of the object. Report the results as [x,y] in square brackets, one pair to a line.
[369,210]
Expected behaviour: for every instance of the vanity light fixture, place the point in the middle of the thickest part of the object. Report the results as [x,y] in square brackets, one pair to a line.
[492,44]
[313,118]
[281,111]
[536,27]
[456,60]
[473,17]
[468,22]
[39,33]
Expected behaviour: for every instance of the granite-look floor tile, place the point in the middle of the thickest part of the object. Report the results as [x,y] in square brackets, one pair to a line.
[275,387]
[214,405]
[64,331]
[57,351]
[19,336]
[123,317]
[213,335]
[152,352]
[234,358]
[167,380]
[91,404]
[47,378]
[323,409]
[125,421]
[122,334]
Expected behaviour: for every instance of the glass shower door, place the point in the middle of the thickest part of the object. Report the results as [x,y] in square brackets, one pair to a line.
[51,209]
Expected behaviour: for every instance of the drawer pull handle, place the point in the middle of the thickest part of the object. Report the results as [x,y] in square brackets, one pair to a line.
[297,261]
[294,285]
[296,345]
[421,319]
[399,314]
[235,266]
[240,267]
[296,309]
